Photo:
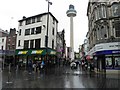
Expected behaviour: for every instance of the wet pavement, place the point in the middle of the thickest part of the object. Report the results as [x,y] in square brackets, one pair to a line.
[59,77]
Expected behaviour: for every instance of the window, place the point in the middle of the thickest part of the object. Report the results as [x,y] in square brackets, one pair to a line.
[19,43]
[19,32]
[28,21]
[8,47]
[2,40]
[96,14]
[37,43]
[53,31]
[52,44]
[116,10]
[38,29]
[103,11]
[117,28]
[53,21]
[9,39]
[39,19]
[33,20]
[27,31]
[13,46]
[31,43]
[2,47]
[26,44]
[20,23]
[32,30]
[100,14]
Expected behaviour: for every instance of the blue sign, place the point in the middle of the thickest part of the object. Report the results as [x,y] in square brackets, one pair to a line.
[107,52]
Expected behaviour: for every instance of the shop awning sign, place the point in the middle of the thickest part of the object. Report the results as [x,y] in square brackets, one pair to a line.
[37,52]
[53,52]
[22,52]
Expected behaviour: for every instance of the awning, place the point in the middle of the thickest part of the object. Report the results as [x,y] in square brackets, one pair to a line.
[35,52]
[30,52]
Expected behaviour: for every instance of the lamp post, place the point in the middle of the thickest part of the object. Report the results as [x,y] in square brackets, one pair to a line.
[46,36]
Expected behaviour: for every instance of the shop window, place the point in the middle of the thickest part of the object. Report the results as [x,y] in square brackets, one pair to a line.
[108,62]
[117,62]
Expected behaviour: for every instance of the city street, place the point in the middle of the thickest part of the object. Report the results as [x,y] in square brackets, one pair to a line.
[60,77]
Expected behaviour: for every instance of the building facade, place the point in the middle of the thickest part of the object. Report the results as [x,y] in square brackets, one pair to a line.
[8,46]
[104,34]
[11,46]
[61,46]
[31,43]
[3,37]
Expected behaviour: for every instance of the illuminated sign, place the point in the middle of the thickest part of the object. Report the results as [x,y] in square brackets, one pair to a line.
[52,52]
[36,51]
[22,52]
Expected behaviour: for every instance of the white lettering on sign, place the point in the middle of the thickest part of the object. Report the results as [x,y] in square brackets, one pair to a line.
[22,52]
[52,52]
[33,52]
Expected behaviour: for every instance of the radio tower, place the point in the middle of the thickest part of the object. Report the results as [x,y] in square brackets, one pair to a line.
[71,13]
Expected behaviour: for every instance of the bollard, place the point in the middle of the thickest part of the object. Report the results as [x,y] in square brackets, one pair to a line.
[9,74]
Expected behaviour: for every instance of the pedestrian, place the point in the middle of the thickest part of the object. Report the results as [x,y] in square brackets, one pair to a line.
[42,66]
[30,66]
[37,66]
[91,66]
[34,66]
[83,64]
[86,65]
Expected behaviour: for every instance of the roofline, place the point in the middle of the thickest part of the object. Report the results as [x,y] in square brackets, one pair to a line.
[39,15]
[88,8]
[3,31]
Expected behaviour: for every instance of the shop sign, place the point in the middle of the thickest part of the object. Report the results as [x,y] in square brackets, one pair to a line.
[105,47]
[52,52]
[22,52]
[115,51]
[37,52]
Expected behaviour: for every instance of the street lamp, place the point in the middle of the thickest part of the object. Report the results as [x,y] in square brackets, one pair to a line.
[46,36]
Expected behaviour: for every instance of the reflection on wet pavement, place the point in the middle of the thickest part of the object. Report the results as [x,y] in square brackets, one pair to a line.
[60,77]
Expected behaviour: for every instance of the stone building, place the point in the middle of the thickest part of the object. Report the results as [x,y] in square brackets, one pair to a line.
[104,33]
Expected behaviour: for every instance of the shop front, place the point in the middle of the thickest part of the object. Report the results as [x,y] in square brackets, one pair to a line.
[106,56]
[108,59]
[23,56]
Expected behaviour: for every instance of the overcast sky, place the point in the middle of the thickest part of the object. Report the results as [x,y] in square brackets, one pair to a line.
[13,10]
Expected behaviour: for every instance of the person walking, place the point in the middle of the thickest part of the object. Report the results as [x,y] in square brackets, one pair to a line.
[42,66]
[30,66]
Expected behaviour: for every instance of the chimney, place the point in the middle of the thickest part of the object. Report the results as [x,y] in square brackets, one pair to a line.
[24,17]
